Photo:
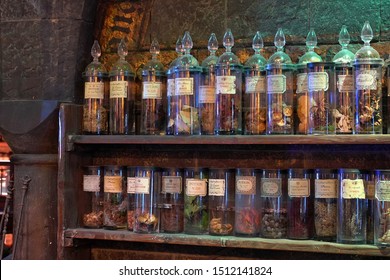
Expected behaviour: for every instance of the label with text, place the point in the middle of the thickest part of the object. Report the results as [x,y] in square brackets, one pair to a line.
[131,185]
[226,85]
[353,189]
[383,190]
[271,187]
[142,185]
[206,94]
[246,185]
[325,188]
[302,83]
[184,86]
[276,84]
[196,187]
[298,187]
[366,79]
[345,83]
[118,89]
[318,81]
[255,84]
[171,184]
[171,87]
[216,187]
[94,90]
[91,183]
[151,90]
[113,184]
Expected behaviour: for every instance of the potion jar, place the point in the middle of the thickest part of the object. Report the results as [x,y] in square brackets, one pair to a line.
[92,186]
[172,201]
[321,87]
[187,81]
[147,188]
[300,204]
[207,89]
[382,208]
[273,204]
[122,95]
[196,214]
[154,95]
[351,208]
[228,106]
[280,93]
[115,203]
[369,186]
[367,72]
[221,201]
[95,109]
[255,106]
[301,115]
[130,185]
[325,204]
[247,195]
[345,97]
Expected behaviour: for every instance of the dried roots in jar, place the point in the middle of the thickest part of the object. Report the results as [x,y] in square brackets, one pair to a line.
[325,219]
[219,228]
[115,215]
[93,219]
[145,222]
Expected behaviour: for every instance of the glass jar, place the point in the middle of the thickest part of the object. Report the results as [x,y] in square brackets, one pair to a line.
[115,203]
[345,100]
[247,216]
[321,87]
[221,201]
[196,216]
[172,201]
[302,118]
[388,99]
[273,204]
[147,188]
[92,185]
[95,110]
[351,208]
[300,204]
[369,185]
[325,204]
[382,208]
[122,95]
[130,179]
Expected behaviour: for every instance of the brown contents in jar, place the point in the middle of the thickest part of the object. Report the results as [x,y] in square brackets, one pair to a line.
[172,219]
[274,223]
[145,222]
[248,221]
[325,218]
[130,219]
[384,231]
[93,219]
[115,215]
[217,227]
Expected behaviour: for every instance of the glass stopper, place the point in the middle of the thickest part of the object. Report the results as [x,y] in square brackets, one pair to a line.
[96,51]
[122,49]
[367,33]
[212,44]
[311,40]
[228,40]
[179,46]
[187,42]
[280,40]
[154,48]
[344,37]
[257,43]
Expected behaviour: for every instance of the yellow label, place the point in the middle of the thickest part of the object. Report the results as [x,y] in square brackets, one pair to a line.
[353,189]
[112,184]
[118,89]
[94,90]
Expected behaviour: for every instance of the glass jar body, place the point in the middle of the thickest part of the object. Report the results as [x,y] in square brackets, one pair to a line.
[92,186]
[207,101]
[345,101]
[382,208]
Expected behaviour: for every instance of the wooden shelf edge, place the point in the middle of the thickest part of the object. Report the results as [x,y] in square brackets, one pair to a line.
[227,241]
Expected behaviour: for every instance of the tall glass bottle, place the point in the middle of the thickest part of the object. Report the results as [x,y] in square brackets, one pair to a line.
[95,110]
[207,89]
[382,208]
[280,93]
[301,119]
[228,106]
[345,97]
[122,95]
[154,98]
[367,69]
[92,184]
[255,105]
[187,81]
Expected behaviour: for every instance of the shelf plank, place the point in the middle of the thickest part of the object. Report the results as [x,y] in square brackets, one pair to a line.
[227,241]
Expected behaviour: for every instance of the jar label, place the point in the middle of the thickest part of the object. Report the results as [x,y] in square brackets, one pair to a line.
[142,185]
[171,87]
[93,90]
[226,85]
[113,184]
[366,79]
[151,90]
[318,81]
[276,84]
[171,184]
[91,183]
[383,190]
[246,185]
[345,83]
[216,187]
[353,189]
[298,187]
[118,89]
[325,188]
[302,83]
[184,86]
[196,187]
[207,94]
[370,191]
[130,184]
[255,84]
[271,187]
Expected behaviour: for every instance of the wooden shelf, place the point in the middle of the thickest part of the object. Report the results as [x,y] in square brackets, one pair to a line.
[225,241]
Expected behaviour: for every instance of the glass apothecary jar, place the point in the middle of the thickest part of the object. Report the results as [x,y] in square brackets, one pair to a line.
[273,204]
[130,184]
[196,213]
[351,207]
[228,105]
[369,186]
[321,87]
[92,185]
[325,204]
[255,105]
[247,198]
[95,109]
[221,201]
[115,202]
[300,205]
[154,96]
[122,95]
[172,201]
[146,211]
[382,208]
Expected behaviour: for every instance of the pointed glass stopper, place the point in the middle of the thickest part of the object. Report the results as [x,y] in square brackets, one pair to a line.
[311,43]
[179,47]
[311,40]
[122,49]
[187,42]
[367,52]
[257,60]
[344,56]
[212,44]
[280,40]
[154,65]
[228,40]
[154,48]
[122,67]
[344,37]
[95,67]
[279,57]
[96,52]
[257,43]
[367,33]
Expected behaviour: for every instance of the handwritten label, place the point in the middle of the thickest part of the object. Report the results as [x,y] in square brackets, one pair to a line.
[366,79]
[196,187]
[151,90]
[302,83]
[171,184]
[184,86]
[353,189]
[91,183]
[383,190]
[113,184]
[276,84]
[271,187]
[216,187]
[345,83]
[94,90]
[298,187]
[246,185]
[142,185]
[171,87]
[370,190]
[207,94]
[131,185]
[226,85]
[318,81]
[118,89]
[255,84]
[325,188]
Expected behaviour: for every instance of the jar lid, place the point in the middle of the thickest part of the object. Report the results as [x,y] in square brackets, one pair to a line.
[283,66]
[232,66]
[326,65]
[369,61]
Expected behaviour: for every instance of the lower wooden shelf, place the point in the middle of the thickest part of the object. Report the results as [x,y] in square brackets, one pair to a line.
[225,241]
